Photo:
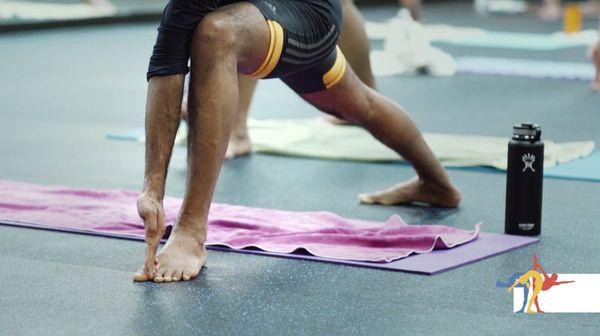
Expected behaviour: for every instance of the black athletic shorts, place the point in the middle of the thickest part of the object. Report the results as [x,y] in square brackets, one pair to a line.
[302,51]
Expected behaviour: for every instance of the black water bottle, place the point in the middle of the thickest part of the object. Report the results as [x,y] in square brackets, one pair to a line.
[524,181]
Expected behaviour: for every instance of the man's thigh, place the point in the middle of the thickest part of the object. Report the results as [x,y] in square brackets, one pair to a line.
[304,33]
[348,97]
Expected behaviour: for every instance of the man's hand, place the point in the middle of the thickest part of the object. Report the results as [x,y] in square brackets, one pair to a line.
[152,212]
[594,54]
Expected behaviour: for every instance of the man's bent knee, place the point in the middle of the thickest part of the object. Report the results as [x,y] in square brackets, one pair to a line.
[217,32]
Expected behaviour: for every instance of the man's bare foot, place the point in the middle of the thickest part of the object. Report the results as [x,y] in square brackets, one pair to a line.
[414,7]
[238,146]
[181,258]
[415,190]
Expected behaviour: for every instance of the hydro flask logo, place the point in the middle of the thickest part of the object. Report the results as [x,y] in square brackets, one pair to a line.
[528,160]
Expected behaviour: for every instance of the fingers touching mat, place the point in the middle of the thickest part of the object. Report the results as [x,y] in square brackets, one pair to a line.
[279,233]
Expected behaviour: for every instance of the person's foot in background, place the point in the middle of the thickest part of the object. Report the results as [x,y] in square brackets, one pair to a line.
[414,7]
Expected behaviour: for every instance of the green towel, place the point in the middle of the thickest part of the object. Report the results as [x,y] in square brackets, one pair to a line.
[317,138]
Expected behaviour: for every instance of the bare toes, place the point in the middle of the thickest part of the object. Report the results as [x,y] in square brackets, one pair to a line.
[176,275]
[381,198]
[366,198]
[159,276]
[195,273]
[173,275]
[186,276]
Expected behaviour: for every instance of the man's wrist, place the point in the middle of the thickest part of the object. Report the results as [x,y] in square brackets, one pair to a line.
[153,190]
[153,194]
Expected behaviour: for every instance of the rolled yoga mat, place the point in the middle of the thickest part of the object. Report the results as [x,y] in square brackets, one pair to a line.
[320,236]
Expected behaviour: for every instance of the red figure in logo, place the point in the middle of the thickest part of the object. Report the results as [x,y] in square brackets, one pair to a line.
[549,281]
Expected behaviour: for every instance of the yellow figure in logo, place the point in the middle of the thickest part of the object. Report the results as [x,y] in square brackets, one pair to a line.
[536,281]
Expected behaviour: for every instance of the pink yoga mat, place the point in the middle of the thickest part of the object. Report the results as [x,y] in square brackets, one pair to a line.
[325,236]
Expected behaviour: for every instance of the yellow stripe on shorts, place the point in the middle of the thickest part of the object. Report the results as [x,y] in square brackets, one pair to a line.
[274,53]
[337,71]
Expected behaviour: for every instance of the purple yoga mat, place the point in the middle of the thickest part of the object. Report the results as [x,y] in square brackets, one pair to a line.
[328,237]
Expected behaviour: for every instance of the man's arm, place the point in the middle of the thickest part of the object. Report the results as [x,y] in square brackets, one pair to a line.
[163,108]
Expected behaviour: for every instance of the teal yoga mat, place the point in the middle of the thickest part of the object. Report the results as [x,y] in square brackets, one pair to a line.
[474,37]
[525,68]
[510,40]
[587,169]
[131,135]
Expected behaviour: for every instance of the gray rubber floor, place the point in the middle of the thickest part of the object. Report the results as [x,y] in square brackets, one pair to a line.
[63,90]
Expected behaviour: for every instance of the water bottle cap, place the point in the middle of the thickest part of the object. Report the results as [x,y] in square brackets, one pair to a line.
[527,131]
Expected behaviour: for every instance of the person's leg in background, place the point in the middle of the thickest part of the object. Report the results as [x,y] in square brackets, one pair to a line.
[239,142]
